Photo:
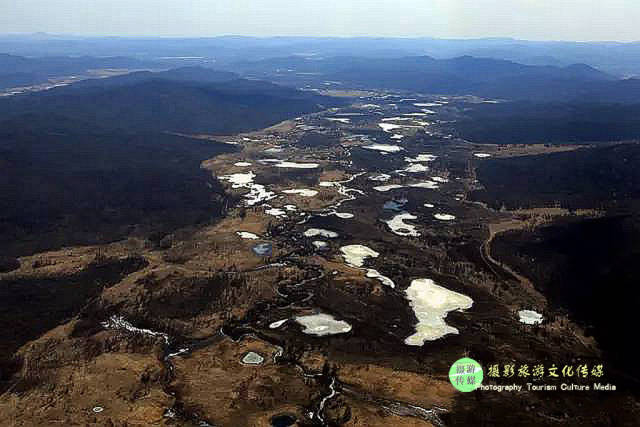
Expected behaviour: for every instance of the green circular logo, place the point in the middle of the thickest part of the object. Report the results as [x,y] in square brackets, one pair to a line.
[466,374]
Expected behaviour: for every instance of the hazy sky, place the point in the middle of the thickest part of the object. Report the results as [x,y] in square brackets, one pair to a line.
[525,19]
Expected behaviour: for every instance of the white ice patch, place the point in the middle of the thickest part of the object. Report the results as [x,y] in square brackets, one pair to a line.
[426,184]
[397,136]
[415,114]
[295,165]
[374,274]
[530,317]
[397,119]
[339,120]
[257,192]
[381,177]
[247,235]
[239,180]
[388,127]
[302,192]
[277,212]
[314,232]
[482,155]
[242,164]
[439,179]
[274,150]
[431,303]
[427,104]
[370,106]
[429,205]
[421,158]
[415,168]
[444,217]
[276,325]
[354,255]
[322,325]
[344,215]
[384,148]
[319,244]
[401,228]
[385,188]
[252,358]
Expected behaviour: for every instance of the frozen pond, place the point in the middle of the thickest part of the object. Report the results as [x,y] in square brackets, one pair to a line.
[302,192]
[384,147]
[257,192]
[252,358]
[431,303]
[354,255]
[322,324]
[374,274]
[239,180]
[247,235]
[295,165]
[530,317]
[381,177]
[320,245]
[415,168]
[242,164]
[426,184]
[276,325]
[314,232]
[444,217]
[263,249]
[388,127]
[427,104]
[344,215]
[275,212]
[401,228]
[421,158]
[385,188]
[339,120]
[439,179]
[395,205]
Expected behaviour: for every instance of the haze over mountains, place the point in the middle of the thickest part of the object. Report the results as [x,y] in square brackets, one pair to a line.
[622,59]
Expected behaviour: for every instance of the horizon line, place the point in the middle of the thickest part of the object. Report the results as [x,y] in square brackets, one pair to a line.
[298,36]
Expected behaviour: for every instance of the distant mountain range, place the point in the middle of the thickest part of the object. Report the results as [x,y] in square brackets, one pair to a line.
[620,59]
[182,100]
[458,76]
[20,71]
